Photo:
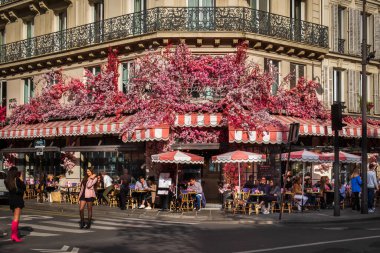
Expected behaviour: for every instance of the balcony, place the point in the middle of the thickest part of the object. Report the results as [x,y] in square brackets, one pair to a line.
[169,19]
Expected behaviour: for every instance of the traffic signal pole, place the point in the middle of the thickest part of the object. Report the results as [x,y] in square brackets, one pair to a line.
[336,174]
[364,204]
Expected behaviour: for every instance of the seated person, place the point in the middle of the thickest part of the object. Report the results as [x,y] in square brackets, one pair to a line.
[342,192]
[226,191]
[141,185]
[151,196]
[265,189]
[196,187]
[250,183]
[298,194]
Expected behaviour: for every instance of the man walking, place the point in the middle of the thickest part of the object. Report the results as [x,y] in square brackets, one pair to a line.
[372,186]
[108,186]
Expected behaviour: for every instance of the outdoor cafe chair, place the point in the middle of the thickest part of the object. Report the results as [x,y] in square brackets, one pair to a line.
[187,203]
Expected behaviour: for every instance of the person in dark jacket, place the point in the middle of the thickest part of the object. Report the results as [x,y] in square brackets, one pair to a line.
[16,188]
[356,183]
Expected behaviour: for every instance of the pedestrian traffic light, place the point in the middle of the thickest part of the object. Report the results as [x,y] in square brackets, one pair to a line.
[336,115]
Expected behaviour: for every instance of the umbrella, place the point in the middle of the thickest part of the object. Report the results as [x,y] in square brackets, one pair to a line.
[343,157]
[177,157]
[238,157]
[302,156]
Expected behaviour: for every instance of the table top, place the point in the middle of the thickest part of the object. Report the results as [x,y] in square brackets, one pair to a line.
[189,192]
[257,194]
[329,191]
[140,190]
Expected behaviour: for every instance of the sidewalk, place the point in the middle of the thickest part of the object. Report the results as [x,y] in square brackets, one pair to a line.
[212,215]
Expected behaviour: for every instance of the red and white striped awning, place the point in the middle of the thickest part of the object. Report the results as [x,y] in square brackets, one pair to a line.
[343,157]
[156,133]
[278,135]
[302,156]
[355,131]
[110,125]
[198,120]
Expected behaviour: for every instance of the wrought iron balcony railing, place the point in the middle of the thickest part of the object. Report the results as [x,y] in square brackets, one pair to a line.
[205,19]
[7,1]
[341,46]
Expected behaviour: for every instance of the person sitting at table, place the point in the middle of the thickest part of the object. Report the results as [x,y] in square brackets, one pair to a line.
[288,182]
[298,194]
[225,190]
[151,195]
[250,183]
[141,185]
[108,186]
[308,183]
[264,189]
[197,188]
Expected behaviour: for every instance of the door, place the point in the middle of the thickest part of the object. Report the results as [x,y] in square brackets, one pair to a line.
[62,26]
[98,20]
[30,46]
[139,16]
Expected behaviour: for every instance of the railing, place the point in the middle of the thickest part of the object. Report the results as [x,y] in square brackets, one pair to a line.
[2,2]
[205,19]
[341,46]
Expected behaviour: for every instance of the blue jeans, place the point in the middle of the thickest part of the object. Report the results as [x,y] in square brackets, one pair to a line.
[198,198]
[371,196]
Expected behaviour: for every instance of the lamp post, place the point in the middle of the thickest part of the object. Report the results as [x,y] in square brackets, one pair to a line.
[364,204]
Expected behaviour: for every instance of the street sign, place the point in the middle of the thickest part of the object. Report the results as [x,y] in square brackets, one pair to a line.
[39,143]
[39,153]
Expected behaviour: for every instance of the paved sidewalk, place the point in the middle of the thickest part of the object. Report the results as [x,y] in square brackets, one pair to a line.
[213,215]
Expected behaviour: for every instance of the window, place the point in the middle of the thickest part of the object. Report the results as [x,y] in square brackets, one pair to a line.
[28,89]
[262,5]
[368,87]
[338,87]
[200,16]
[297,71]
[273,66]
[297,14]
[61,27]
[94,70]
[3,93]
[370,29]
[341,29]
[98,11]
[139,18]
[29,33]
[127,72]
[2,37]
[62,21]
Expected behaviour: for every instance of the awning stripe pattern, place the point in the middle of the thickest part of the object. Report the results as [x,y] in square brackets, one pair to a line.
[198,120]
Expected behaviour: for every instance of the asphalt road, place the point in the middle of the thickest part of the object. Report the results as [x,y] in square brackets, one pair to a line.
[59,232]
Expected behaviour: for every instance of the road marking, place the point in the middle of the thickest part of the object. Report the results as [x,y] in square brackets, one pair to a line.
[65,249]
[138,221]
[310,244]
[162,221]
[35,217]
[99,221]
[39,234]
[373,229]
[76,225]
[336,228]
[50,228]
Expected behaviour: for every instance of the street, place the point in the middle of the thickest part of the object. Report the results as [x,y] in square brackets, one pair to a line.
[47,231]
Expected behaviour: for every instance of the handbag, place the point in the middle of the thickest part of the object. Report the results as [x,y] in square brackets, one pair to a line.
[18,190]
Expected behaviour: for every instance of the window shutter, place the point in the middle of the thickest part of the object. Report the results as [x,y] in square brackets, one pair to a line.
[351,91]
[354,32]
[327,86]
[331,87]
[334,25]
[377,35]
[376,95]
[357,106]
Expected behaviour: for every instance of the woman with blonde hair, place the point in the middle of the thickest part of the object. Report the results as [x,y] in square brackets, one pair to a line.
[87,196]
[356,183]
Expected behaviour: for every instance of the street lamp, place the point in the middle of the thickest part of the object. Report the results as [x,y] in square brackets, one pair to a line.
[366,57]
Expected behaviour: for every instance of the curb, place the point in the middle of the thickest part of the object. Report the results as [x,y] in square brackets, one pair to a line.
[207,217]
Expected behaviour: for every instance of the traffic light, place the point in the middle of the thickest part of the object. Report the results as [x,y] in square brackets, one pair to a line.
[336,116]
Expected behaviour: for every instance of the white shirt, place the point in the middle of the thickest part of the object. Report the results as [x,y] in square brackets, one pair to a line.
[107,181]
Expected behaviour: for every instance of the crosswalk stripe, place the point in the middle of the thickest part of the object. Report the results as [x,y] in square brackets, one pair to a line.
[40,234]
[76,225]
[135,222]
[100,221]
[161,221]
[50,228]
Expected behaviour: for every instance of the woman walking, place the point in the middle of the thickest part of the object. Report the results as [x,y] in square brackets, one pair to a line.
[356,183]
[87,196]
[16,188]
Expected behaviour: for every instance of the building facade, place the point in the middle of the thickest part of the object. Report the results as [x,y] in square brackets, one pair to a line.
[315,39]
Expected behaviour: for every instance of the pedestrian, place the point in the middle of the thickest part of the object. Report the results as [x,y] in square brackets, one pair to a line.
[125,179]
[87,196]
[16,188]
[372,186]
[356,183]
[108,186]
